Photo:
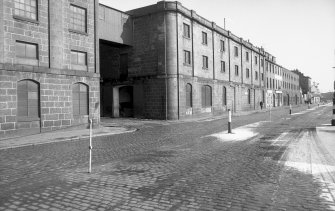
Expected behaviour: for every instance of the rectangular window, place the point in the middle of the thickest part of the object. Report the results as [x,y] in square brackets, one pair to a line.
[204,38]
[187,57]
[236,51]
[262,62]
[78,19]
[186,30]
[247,56]
[205,62]
[236,70]
[223,66]
[78,58]
[256,61]
[26,50]
[247,73]
[262,76]
[26,9]
[222,44]
[256,75]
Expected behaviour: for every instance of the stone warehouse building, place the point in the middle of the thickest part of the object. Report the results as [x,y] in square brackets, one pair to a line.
[167,62]
[64,62]
[48,77]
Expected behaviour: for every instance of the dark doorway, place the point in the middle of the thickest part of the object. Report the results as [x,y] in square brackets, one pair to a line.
[126,104]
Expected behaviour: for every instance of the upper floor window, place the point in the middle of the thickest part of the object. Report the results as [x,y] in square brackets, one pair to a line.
[204,38]
[223,66]
[27,99]
[186,30]
[187,57]
[256,60]
[77,19]
[236,70]
[26,50]
[247,56]
[222,46]
[262,76]
[205,62]
[256,75]
[78,58]
[247,73]
[26,9]
[262,62]
[249,96]
[236,51]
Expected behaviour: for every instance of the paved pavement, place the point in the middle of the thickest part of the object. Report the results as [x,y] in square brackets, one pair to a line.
[180,166]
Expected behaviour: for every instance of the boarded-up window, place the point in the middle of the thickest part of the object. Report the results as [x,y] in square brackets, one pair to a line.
[80,99]
[224,96]
[206,96]
[27,99]
[26,50]
[188,95]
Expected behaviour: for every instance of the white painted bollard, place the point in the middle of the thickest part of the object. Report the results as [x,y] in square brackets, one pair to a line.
[229,121]
[290,109]
[90,149]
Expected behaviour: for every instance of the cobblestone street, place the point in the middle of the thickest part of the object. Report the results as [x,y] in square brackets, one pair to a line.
[179,166]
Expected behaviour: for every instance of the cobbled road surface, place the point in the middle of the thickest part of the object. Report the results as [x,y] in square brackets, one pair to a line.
[177,166]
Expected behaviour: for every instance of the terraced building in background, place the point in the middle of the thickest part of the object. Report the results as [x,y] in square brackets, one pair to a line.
[64,62]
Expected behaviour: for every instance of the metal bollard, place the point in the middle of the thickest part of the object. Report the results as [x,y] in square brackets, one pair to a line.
[229,121]
[290,109]
[90,149]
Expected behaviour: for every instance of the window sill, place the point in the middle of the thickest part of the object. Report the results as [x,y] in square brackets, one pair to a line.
[204,44]
[79,67]
[188,38]
[25,19]
[188,65]
[205,68]
[26,61]
[78,32]
[27,119]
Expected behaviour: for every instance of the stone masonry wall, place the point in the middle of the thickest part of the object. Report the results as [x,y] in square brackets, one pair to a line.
[55,101]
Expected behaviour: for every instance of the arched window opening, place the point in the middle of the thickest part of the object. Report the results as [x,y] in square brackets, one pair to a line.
[206,96]
[80,99]
[188,95]
[28,99]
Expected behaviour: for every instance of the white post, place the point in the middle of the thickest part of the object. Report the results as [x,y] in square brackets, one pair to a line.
[229,121]
[290,109]
[90,149]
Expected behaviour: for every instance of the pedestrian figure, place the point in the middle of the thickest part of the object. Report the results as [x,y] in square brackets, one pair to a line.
[261,104]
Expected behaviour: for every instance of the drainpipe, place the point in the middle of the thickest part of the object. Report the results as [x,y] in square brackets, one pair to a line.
[177,34]
[166,82]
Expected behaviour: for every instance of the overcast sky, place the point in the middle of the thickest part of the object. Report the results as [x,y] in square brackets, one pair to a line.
[299,33]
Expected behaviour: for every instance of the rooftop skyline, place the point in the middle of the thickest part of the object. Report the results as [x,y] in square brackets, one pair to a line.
[299,33]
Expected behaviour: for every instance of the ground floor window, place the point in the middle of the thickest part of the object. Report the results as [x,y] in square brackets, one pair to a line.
[28,98]
[188,95]
[206,96]
[80,99]
[224,96]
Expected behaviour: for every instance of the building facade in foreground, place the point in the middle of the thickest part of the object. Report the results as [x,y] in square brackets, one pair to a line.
[48,78]
[64,62]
